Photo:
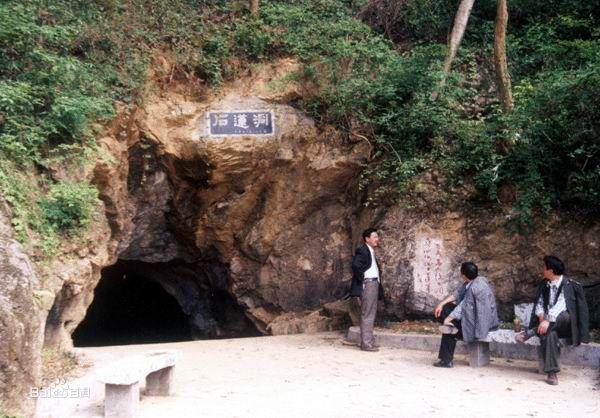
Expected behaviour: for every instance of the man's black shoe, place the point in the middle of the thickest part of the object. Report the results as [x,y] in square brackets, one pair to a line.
[552,379]
[368,348]
[441,363]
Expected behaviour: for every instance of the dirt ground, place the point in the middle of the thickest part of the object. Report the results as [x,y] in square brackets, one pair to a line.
[316,376]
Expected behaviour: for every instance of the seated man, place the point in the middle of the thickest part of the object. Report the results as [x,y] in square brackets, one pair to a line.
[469,313]
[560,311]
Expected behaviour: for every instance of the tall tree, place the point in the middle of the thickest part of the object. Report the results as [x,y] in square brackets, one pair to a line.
[254,7]
[458,31]
[502,74]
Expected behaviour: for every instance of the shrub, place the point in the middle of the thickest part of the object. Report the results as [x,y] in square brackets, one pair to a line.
[559,120]
[69,206]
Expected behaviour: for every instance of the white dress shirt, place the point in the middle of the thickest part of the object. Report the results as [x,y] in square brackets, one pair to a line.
[554,309]
[373,271]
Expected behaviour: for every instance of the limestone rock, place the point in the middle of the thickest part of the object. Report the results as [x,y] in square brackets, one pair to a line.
[21,324]
[273,208]
[421,253]
[306,322]
[264,219]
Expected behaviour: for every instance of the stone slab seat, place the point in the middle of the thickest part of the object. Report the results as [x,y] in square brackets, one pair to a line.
[502,344]
[479,352]
[122,380]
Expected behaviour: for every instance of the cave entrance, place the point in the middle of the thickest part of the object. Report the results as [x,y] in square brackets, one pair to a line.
[141,303]
[129,308]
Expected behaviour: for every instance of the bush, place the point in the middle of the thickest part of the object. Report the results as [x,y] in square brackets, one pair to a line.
[62,64]
[47,97]
[69,206]
[252,39]
[559,121]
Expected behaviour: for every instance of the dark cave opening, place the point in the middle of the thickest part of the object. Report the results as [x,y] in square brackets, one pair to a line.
[141,303]
[131,309]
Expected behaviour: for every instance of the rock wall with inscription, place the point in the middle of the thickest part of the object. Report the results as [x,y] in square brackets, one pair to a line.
[422,251]
[430,266]
[419,256]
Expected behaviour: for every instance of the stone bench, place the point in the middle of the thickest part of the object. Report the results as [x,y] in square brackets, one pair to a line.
[502,344]
[122,381]
[479,352]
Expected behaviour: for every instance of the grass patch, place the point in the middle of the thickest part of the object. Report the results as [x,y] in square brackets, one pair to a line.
[58,366]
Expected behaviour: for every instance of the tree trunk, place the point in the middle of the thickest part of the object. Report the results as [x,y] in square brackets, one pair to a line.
[254,7]
[458,30]
[502,75]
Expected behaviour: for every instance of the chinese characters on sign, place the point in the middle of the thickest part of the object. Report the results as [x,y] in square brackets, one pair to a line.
[429,270]
[241,123]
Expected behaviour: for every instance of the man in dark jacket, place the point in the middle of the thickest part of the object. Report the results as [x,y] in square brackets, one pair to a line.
[468,314]
[560,311]
[366,284]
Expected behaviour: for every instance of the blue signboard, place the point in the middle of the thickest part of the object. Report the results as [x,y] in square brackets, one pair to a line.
[241,123]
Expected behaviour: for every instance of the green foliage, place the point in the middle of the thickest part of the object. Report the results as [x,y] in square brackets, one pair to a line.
[368,89]
[69,206]
[252,38]
[546,150]
[63,63]
[563,42]
[559,120]
[47,97]
[17,191]
[428,20]
[66,209]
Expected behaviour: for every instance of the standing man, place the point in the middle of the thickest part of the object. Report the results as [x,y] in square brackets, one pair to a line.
[560,311]
[468,314]
[366,284]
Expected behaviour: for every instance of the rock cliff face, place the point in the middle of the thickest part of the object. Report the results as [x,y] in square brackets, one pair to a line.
[265,225]
[269,220]
[21,326]
[265,220]
[422,253]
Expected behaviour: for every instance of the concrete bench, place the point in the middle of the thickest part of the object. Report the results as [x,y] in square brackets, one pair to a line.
[479,352]
[502,345]
[122,381]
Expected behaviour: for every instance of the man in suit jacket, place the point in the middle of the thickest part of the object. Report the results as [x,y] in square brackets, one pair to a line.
[560,311]
[468,314]
[366,284]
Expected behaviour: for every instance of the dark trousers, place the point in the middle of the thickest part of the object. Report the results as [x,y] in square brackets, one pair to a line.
[448,343]
[550,344]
